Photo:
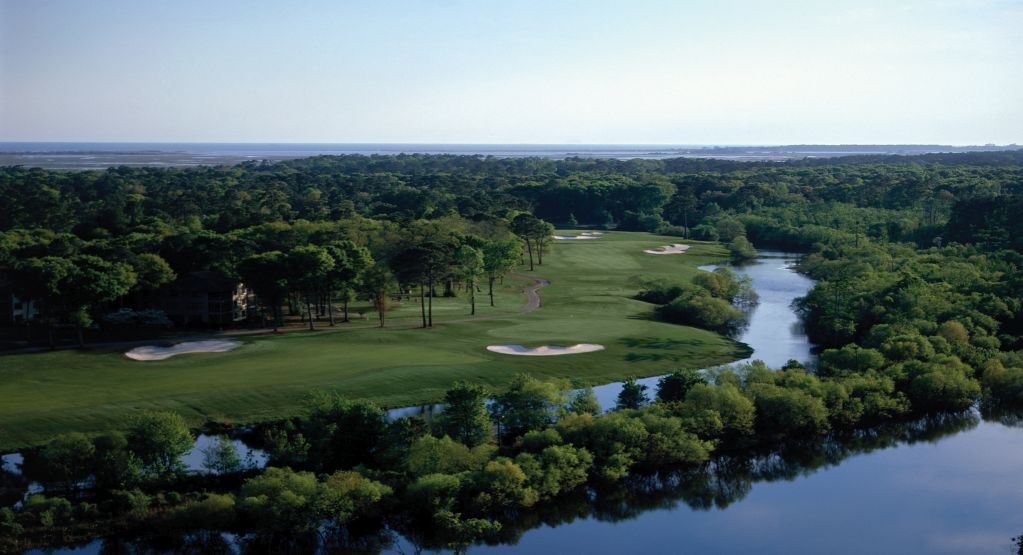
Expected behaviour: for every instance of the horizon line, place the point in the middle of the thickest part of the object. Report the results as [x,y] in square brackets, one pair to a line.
[632,144]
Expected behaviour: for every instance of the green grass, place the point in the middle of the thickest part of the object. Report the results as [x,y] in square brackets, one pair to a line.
[44,394]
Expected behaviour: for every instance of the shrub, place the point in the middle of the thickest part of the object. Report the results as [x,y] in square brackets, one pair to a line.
[735,411]
[430,455]
[632,395]
[720,283]
[783,412]
[704,312]
[741,249]
[280,499]
[433,492]
[675,386]
[557,469]
[664,291]
[705,232]
[850,359]
[346,496]
[159,439]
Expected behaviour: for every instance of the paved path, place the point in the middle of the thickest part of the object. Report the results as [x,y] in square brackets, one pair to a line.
[532,303]
[532,297]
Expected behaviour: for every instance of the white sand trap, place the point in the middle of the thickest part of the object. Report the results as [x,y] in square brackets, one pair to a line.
[676,248]
[567,237]
[592,233]
[546,350]
[152,352]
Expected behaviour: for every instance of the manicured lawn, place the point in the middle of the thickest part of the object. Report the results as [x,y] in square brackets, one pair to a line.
[588,301]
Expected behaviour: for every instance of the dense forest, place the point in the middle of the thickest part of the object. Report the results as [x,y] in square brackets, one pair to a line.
[82,242]
[917,310]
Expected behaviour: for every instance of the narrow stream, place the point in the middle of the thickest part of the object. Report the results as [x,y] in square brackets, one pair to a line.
[775,332]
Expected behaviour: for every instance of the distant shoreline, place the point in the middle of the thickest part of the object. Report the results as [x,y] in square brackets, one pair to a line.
[102,155]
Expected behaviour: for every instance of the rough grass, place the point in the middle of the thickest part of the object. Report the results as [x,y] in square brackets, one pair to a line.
[588,301]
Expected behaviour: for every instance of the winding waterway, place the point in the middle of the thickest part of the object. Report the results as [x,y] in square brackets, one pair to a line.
[944,485]
[775,332]
[941,485]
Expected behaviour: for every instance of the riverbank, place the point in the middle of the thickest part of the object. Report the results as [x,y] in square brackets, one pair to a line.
[800,483]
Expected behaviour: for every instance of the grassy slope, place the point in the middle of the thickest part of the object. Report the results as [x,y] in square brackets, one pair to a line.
[587,302]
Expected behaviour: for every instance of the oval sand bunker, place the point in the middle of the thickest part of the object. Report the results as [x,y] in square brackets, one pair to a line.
[546,350]
[677,248]
[153,352]
[583,235]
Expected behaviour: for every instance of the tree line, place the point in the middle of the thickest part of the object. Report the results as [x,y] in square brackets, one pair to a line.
[308,267]
[487,461]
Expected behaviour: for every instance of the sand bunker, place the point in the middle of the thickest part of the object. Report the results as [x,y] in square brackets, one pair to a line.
[677,248]
[546,350]
[153,352]
[583,235]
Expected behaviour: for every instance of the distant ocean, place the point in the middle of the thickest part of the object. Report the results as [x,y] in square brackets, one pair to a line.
[315,149]
[89,155]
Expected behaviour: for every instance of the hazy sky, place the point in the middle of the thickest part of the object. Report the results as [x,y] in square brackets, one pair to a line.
[546,71]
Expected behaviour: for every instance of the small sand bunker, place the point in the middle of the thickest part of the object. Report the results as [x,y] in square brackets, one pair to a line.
[676,248]
[546,350]
[153,352]
[583,235]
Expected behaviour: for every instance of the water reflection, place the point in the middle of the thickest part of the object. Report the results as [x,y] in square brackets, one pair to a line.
[916,487]
[947,483]
[250,456]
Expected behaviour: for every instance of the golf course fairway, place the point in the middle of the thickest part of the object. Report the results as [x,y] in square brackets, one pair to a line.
[268,377]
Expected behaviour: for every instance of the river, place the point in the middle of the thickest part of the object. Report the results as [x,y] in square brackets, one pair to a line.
[938,486]
[941,485]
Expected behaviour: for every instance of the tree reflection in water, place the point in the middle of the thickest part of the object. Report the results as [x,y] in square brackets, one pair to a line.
[724,481]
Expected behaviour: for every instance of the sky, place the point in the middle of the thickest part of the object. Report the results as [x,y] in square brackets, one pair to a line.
[523,71]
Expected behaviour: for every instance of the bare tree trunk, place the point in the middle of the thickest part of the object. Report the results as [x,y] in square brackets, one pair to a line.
[422,303]
[529,247]
[309,310]
[491,280]
[330,308]
[539,252]
[473,299]
[430,310]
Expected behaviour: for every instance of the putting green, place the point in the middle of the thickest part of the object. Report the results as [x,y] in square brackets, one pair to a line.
[588,301]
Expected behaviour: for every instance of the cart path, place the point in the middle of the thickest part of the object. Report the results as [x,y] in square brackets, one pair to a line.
[532,297]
